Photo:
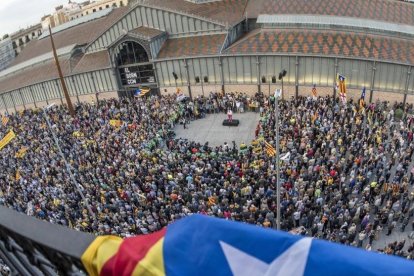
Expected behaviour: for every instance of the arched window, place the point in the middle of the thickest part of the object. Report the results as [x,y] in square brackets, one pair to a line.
[130,52]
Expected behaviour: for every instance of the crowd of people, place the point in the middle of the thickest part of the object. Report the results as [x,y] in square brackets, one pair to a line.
[345,175]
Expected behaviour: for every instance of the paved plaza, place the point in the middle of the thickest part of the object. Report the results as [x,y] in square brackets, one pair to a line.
[211,129]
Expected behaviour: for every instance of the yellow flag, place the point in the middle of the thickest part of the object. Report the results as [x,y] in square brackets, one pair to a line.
[7,139]
[18,176]
[115,123]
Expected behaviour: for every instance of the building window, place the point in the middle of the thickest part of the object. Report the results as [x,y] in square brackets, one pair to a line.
[14,45]
[94,10]
[87,12]
[20,41]
[121,4]
[107,6]
[33,34]
[114,5]
[100,8]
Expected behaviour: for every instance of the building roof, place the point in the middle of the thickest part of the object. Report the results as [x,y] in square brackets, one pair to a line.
[32,75]
[47,70]
[93,61]
[224,11]
[146,33]
[382,10]
[325,43]
[335,22]
[192,46]
[80,35]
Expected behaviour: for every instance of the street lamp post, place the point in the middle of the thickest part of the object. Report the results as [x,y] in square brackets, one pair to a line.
[277,160]
[68,167]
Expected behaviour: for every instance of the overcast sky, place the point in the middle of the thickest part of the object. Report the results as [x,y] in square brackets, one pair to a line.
[16,14]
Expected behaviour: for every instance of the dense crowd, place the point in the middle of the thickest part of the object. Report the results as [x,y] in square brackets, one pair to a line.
[346,172]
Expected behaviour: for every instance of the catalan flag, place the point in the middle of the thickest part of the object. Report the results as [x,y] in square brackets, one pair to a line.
[201,245]
[342,87]
[4,120]
[362,99]
[314,117]
[9,136]
[270,150]
[21,152]
[314,93]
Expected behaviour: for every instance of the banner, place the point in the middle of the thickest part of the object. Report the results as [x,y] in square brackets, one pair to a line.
[7,139]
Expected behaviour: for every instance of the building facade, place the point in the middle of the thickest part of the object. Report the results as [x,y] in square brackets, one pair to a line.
[95,6]
[21,38]
[230,45]
[6,53]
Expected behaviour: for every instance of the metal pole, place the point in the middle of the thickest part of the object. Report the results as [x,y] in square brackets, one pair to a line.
[68,167]
[277,161]
[202,87]
[64,88]
[269,85]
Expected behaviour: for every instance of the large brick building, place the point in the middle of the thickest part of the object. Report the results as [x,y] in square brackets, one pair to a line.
[201,46]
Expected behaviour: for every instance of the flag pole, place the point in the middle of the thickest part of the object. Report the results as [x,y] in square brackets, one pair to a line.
[277,161]
[62,81]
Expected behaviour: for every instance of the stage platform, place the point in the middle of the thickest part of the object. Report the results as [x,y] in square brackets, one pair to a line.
[233,123]
[211,129]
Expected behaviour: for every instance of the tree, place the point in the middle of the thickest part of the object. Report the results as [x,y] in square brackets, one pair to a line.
[5,36]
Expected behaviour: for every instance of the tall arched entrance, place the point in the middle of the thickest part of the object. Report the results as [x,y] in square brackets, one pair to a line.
[134,67]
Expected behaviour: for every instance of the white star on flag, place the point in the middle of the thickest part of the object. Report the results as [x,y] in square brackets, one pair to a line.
[292,262]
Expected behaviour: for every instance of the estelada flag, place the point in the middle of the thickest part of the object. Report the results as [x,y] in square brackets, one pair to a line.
[362,99]
[202,245]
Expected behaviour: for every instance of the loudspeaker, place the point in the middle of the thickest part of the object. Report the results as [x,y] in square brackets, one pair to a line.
[263,79]
[197,79]
[205,79]
[175,76]
[233,123]
[273,79]
[282,74]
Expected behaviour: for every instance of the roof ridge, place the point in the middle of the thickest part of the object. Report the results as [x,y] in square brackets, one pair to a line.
[244,37]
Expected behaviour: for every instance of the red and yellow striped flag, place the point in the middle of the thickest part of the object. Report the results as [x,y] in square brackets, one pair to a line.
[7,139]
[18,176]
[4,120]
[270,150]
[141,255]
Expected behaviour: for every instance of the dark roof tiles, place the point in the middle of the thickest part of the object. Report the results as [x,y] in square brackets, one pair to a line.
[357,45]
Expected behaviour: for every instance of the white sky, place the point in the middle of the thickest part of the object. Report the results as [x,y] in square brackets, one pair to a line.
[16,14]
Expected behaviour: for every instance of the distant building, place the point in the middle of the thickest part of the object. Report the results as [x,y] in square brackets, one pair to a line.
[60,15]
[24,36]
[89,7]
[6,53]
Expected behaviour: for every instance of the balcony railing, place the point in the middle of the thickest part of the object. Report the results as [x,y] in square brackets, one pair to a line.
[33,247]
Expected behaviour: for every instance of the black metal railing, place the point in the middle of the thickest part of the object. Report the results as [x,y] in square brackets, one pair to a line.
[30,246]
